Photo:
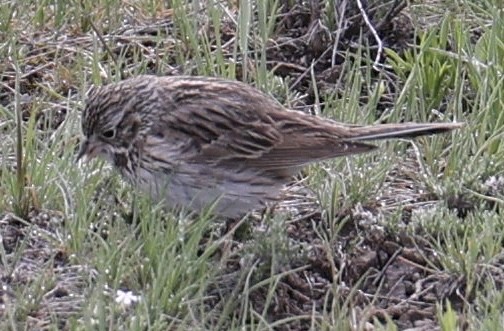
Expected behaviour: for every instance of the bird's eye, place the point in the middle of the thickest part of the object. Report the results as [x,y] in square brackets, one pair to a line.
[108,134]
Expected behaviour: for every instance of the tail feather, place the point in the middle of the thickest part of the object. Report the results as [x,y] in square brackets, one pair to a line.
[402,130]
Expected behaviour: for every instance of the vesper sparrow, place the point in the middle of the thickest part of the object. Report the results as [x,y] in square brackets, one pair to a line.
[192,141]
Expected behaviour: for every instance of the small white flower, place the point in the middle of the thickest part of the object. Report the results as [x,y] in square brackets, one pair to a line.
[126,299]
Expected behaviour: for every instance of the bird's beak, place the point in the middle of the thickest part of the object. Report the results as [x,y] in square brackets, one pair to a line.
[83,150]
[88,150]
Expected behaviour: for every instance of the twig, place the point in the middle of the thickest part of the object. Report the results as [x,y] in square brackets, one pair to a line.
[107,49]
[394,10]
[376,65]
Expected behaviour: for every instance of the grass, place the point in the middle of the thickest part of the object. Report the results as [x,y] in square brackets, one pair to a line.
[372,240]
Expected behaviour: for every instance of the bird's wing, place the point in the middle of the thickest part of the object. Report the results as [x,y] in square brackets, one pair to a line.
[211,132]
[307,139]
[235,135]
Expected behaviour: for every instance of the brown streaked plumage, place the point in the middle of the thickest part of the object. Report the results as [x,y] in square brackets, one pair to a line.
[193,140]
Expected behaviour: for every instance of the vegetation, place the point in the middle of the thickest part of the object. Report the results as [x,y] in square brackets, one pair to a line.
[408,237]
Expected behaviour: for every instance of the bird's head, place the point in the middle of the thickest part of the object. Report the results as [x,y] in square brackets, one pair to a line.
[111,123]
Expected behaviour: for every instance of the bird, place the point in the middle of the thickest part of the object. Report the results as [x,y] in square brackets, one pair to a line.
[196,141]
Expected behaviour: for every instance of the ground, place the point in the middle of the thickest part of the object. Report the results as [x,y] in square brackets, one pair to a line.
[409,238]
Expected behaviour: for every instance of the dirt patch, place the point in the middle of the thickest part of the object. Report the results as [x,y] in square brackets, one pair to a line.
[40,240]
[305,45]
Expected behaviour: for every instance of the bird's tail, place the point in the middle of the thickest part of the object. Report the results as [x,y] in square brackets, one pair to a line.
[402,130]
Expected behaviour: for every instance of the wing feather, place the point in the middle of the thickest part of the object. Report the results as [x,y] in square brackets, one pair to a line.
[237,127]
